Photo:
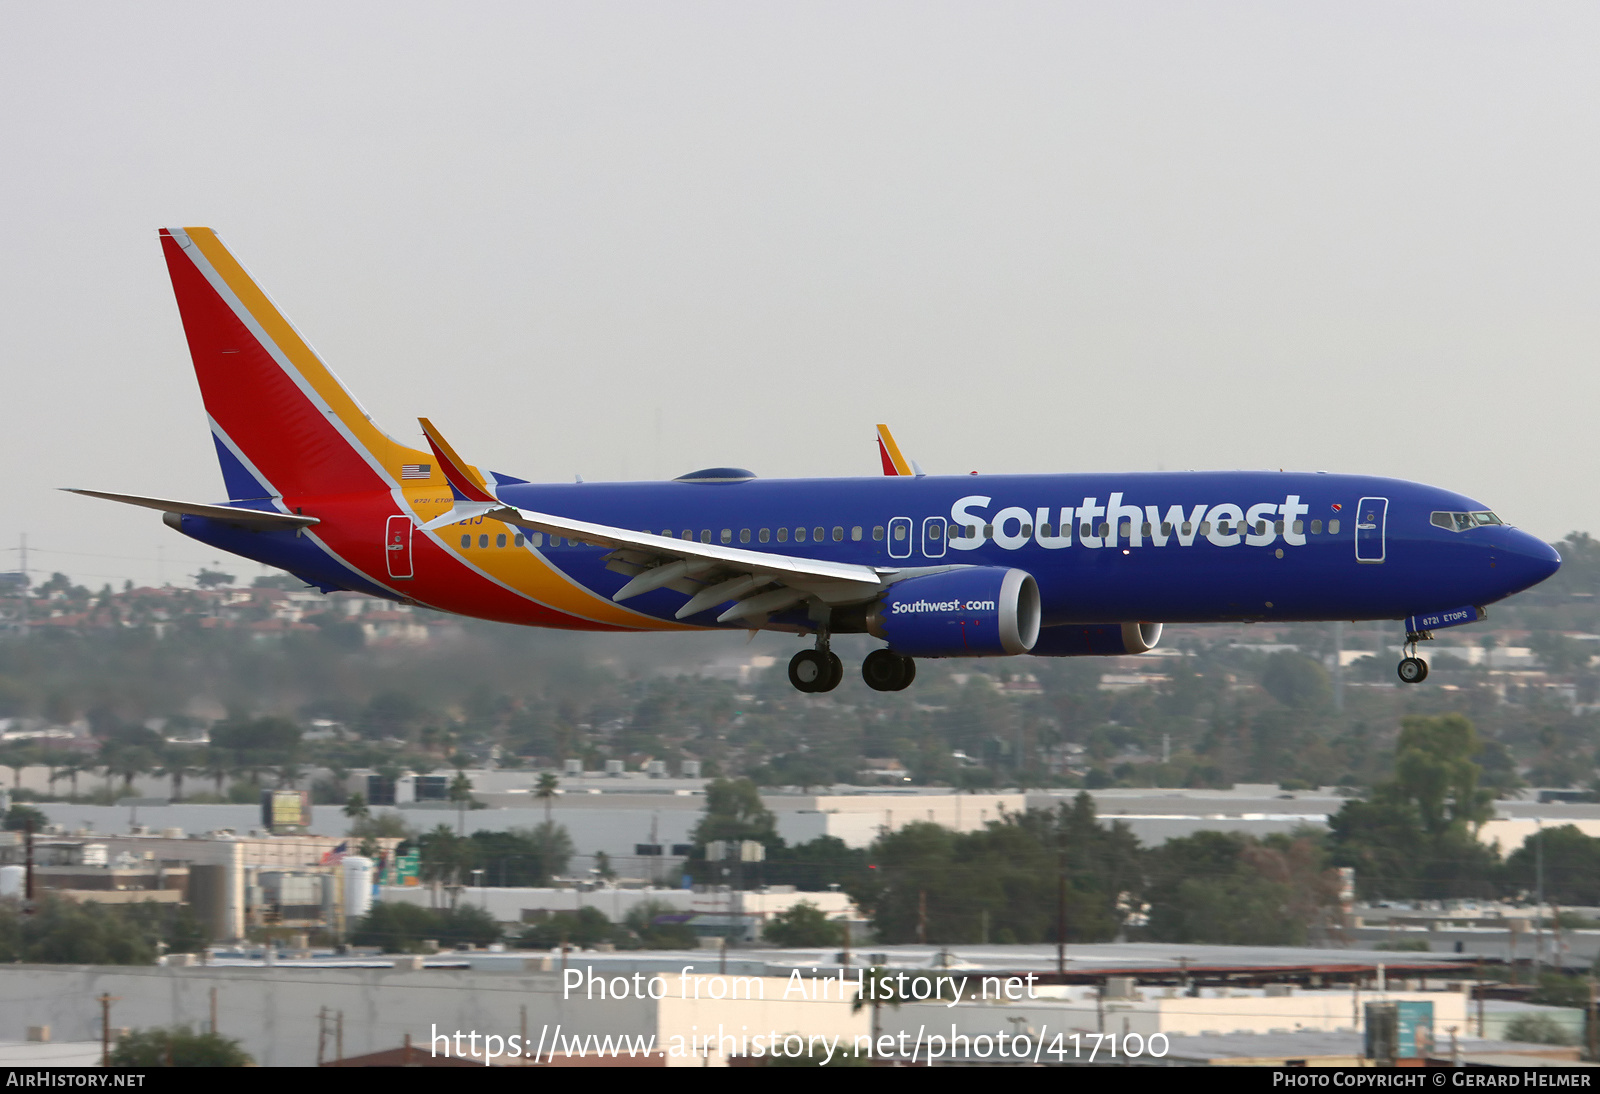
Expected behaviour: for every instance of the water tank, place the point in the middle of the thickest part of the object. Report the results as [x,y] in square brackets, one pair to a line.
[13,881]
[357,886]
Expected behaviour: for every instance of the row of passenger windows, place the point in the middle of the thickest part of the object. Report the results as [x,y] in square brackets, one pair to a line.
[1125,530]
[1460,522]
[821,534]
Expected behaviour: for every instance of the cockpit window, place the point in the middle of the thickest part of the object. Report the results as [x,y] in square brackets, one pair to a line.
[1461,522]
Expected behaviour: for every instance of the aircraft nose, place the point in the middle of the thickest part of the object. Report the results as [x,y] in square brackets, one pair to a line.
[1528,560]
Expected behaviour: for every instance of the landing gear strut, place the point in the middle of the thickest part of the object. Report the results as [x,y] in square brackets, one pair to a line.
[1413,669]
[887,671]
[816,670]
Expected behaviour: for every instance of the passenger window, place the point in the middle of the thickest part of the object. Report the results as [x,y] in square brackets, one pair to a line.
[783,535]
[1125,530]
[1188,528]
[816,535]
[466,541]
[705,535]
[1105,529]
[838,534]
[855,534]
[727,535]
[1333,527]
[1224,527]
[483,541]
[799,535]
[988,531]
[877,532]
[1144,529]
[688,534]
[764,535]
[1205,528]
[500,540]
[1299,527]
[744,535]
[1261,528]
[1316,527]
[519,540]
[538,539]
[1085,531]
[1278,527]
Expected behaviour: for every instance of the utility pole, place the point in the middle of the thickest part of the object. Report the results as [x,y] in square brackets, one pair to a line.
[23,565]
[922,916]
[214,1010]
[1061,918]
[27,857]
[322,1034]
[1538,907]
[105,1027]
[1338,665]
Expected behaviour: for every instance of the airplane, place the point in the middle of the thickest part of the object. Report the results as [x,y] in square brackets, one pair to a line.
[933,566]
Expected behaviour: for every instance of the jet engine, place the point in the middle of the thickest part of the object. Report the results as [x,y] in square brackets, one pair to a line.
[973,611]
[1096,639]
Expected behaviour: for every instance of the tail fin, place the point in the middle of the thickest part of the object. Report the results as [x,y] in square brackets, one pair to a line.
[283,424]
[889,453]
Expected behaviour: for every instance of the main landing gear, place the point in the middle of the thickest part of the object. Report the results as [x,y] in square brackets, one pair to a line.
[816,670]
[1413,669]
[819,670]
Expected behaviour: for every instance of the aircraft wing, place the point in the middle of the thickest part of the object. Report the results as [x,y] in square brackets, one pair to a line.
[251,517]
[711,574]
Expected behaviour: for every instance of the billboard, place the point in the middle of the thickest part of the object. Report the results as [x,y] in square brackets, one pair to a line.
[285,810]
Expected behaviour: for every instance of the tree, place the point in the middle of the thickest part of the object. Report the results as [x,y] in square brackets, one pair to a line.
[461,794]
[178,1046]
[585,928]
[657,925]
[23,817]
[1296,681]
[734,811]
[803,924]
[355,807]
[211,579]
[545,791]
[1416,836]
[1571,866]
[1434,771]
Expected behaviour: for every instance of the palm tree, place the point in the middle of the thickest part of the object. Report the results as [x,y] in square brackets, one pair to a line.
[546,790]
[461,794]
[177,762]
[355,807]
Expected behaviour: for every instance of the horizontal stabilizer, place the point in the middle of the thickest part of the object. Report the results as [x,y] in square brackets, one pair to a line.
[253,517]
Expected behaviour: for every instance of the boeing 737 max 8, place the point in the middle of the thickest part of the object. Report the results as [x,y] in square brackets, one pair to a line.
[934,566]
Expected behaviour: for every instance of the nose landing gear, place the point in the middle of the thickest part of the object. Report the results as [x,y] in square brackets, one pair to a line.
[1413,669]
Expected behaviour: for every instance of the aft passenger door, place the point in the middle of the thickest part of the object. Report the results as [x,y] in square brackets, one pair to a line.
[397,546]
[1371,516]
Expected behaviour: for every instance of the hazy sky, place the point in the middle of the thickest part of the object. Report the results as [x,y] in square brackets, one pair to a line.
[629,240]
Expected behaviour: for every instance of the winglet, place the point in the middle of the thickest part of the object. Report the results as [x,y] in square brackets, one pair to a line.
[461,477]
[889,452]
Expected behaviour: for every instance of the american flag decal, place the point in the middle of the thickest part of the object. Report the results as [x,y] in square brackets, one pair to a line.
[416,471]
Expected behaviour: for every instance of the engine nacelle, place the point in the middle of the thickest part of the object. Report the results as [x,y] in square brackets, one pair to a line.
[1096,639]
[974,611]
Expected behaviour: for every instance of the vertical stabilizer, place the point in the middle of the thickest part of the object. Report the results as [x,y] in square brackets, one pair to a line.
[283,424]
